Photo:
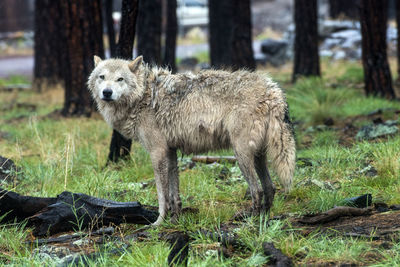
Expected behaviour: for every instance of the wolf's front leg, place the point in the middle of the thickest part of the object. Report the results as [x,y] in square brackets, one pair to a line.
[175,203]
[159,158]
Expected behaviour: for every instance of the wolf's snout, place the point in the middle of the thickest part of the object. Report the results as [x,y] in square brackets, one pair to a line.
[107,93]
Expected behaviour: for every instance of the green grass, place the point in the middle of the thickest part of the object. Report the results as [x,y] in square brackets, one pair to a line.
[57,154]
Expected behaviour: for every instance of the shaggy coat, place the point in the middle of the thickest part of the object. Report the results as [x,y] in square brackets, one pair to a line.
[195,113]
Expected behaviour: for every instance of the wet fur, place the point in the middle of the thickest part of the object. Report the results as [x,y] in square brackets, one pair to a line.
[196,113]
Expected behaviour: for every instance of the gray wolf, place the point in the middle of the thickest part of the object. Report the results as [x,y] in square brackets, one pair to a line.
[195,113]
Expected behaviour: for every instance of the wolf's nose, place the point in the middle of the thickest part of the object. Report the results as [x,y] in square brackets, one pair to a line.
[107,93]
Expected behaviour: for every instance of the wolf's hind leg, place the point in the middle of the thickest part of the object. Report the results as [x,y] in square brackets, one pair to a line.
[160,165]
[245,158]
[260,163]
[175,203]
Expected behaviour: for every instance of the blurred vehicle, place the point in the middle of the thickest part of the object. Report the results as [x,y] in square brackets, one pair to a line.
[192,13]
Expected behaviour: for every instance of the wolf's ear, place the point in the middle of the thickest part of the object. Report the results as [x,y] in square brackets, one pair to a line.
[134,64]
[97,60]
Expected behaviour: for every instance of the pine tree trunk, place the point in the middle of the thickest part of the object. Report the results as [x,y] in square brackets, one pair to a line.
[377,77]
[398,38]
[306,57]
[83,39]
[220,32]
[108,10]
[120,147]
[170,36]
[48,44]
[242,44]
[149,31]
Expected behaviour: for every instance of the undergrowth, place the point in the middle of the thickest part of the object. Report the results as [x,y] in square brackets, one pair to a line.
[58,154]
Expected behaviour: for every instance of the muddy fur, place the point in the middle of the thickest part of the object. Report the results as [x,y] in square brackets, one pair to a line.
[195,113]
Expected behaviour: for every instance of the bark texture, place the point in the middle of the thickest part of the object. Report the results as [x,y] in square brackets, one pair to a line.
[149,31]
[170,36]
[120,147]
[241,41]
[83,35]
[108,9]
[306,57]
[377,77]
[48,44]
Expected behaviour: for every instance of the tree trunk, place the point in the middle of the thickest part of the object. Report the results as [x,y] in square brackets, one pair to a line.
[83,39]
[346,8]
[108,10]
[398,38]
[120,146]
[170,36]
[149,31]
[220,29]
[306,58]
[377,77]
[242,45]
[47,70]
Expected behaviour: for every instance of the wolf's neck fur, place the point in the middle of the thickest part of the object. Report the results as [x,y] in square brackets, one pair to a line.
[126,115]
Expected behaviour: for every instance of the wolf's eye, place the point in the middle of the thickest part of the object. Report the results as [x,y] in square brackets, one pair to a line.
[101,77]
[120,79]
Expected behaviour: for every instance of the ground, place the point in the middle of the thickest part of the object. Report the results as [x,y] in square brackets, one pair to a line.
[55,154]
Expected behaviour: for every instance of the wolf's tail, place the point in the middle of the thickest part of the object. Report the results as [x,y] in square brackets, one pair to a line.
[281,145]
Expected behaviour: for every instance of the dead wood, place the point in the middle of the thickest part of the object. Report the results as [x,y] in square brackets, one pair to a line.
[80,211]
[179,248]
[16,87]
[276,257]
[334,214]
[212,159]
[16,207]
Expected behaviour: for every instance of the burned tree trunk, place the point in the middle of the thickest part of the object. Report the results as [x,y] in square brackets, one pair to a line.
[220,30]
[48,44]
[149,31]
[108,9]
[242,45]
[70,211]
[306,57]
[398,39]
[170,36]
[377,77]
[120,147]
[82,27]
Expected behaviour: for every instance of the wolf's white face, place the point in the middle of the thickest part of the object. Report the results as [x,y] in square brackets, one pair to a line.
[110,86]
[115,80]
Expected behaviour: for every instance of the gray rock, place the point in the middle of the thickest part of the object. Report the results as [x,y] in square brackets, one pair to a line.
[340,54]
[275,51]
[377,130]
[325,53]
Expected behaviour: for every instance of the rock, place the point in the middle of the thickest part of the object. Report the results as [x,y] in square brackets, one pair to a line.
[325,53]
[369,171]
[340,54]
[328,27]
[188,63]
[275,51]
[373,131]
[8,170]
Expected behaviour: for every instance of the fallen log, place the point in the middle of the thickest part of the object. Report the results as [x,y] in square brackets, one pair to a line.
[276,257]
[334,214]
[80,211]
[70,211]
[212,159]
[13,206]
